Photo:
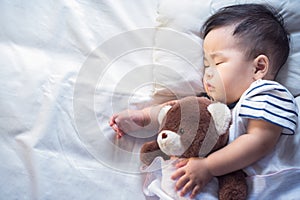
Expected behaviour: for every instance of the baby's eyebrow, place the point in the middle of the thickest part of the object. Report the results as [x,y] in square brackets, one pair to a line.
[212,56]
[216,54]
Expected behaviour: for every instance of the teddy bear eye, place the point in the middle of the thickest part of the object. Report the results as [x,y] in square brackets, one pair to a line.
[181,131]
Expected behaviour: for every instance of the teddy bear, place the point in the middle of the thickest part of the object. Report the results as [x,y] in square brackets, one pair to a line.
[195,127]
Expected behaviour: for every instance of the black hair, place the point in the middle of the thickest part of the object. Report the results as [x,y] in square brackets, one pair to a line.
[258,28]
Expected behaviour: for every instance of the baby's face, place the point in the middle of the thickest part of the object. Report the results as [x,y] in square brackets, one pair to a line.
[228,73]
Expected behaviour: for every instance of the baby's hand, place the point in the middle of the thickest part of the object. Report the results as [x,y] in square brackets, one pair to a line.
[128,121]
[192,175]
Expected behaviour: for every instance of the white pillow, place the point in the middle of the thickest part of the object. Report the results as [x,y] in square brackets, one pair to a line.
[179,74]
[176,77]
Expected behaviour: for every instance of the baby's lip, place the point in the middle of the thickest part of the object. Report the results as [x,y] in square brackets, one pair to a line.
[209,86]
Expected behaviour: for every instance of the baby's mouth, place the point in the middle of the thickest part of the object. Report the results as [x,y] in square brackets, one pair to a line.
[209,87]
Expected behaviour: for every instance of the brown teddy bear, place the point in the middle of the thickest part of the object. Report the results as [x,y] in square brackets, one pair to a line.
[193,127]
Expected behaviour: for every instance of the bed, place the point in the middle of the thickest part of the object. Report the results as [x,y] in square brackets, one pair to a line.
[67,66]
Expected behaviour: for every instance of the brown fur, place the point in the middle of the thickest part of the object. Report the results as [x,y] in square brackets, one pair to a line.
[191,119]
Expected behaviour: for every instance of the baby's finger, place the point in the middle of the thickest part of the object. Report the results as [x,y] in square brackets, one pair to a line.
[182,181]
[178,173]
[181,163]
[115,128]
[111,121]
[119,133]
[187,188]
[118,136]
[195,191]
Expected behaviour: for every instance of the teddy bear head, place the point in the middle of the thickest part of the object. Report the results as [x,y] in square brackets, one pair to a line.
[194,126]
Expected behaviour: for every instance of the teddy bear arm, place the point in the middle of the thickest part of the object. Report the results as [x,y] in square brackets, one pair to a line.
[233,186]
[149,151]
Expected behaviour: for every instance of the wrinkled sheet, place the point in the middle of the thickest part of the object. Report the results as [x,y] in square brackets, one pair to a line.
[44,48]
[66,67]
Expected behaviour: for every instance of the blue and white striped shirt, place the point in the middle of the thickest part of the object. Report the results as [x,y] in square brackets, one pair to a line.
[270,101]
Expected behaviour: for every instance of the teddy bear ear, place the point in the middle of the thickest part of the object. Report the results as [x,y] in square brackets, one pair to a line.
[221,115]
[162,113]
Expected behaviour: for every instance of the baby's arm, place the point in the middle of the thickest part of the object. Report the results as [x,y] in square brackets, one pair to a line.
[260,139]
[133,120]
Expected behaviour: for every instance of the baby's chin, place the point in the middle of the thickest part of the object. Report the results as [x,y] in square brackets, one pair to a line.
[217,98]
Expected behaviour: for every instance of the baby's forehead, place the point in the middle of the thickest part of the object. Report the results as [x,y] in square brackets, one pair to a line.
[221,34]
[220,38]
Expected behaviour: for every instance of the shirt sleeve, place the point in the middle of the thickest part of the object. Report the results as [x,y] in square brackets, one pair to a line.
[271,102]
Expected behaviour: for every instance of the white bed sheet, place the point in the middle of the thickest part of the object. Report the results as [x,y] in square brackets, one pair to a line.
[43,47]
[66,66]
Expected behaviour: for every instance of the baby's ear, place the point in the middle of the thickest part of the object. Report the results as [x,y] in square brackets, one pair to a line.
[221,115]
[162,113]
[261,67]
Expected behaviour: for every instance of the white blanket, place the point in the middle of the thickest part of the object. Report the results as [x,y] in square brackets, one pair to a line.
[66,67]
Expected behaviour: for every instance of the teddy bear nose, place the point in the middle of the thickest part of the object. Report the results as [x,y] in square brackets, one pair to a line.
[164,135]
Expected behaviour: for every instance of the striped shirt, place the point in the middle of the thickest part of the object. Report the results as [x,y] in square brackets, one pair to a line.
[270,101]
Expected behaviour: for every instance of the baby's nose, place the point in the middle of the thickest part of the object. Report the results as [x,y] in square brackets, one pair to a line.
[208,72]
